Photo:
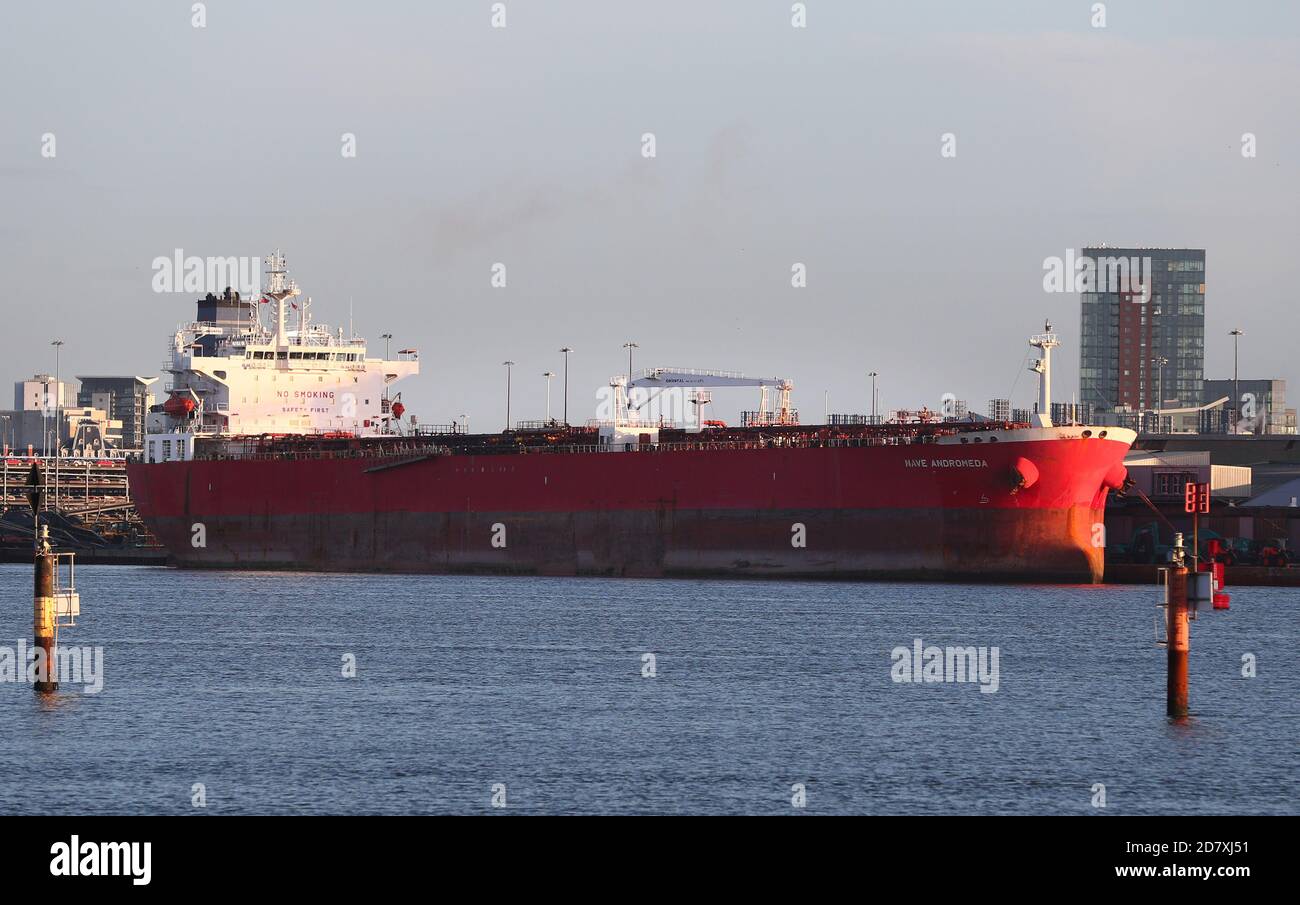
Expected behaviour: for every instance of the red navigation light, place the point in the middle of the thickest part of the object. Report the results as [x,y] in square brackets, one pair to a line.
[1196,497]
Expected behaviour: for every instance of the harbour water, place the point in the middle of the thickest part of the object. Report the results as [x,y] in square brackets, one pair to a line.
[534,691]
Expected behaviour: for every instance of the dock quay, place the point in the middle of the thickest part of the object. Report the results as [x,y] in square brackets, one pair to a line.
[86,506]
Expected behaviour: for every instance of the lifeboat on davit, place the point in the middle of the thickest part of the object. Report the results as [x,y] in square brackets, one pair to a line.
[181,404]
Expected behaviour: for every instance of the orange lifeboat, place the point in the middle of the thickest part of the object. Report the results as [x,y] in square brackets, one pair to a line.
[179,406]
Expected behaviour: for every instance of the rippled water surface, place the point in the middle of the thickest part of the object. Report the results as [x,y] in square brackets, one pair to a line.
[233,680]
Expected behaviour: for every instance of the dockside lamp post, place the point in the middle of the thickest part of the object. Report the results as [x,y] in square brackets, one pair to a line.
[629,345]
[58,419]
[1160,362]
[548,375]
[566,350]
[1236,387]
[509,365]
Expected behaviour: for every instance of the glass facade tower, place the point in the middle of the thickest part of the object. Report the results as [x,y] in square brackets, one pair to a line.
[1127,330]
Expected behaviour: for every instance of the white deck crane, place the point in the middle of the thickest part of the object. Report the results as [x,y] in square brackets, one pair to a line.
[767,414]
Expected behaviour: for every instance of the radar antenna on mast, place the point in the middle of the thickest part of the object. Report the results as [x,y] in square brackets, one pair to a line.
[279,288]
[1046,341]
[276,274]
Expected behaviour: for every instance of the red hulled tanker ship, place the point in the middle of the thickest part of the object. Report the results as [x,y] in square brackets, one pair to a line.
[279,447]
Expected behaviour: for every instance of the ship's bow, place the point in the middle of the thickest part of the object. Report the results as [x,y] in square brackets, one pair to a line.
[1039,513]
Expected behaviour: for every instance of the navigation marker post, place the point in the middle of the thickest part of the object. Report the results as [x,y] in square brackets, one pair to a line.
[52,603]
[43,588]
[1178,635]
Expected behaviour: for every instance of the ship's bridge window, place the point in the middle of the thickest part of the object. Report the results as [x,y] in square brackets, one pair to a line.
[294,356]
[281,356]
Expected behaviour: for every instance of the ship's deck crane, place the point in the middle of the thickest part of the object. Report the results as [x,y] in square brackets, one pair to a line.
[767,414]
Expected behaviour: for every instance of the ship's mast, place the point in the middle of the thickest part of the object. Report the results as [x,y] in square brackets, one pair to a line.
[279,288]
[1046,341]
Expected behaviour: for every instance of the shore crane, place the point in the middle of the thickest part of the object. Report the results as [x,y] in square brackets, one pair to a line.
[770,412]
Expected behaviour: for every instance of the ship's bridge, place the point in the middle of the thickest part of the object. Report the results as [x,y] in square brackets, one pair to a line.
[237,375]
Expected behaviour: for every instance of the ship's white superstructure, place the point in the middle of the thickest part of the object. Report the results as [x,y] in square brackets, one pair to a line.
[261,366]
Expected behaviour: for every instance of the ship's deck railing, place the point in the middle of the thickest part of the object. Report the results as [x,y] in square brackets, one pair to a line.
[506,449]
[437,430]
[290,455]
[315,335]
[298,364]
[198,430]
[623,423]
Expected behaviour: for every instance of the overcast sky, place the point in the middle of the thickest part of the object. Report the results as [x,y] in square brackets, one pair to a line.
[774,145]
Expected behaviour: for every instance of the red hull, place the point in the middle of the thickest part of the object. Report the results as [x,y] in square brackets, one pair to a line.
[912,511]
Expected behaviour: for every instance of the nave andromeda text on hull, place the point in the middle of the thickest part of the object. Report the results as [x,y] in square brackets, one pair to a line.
[281,446]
